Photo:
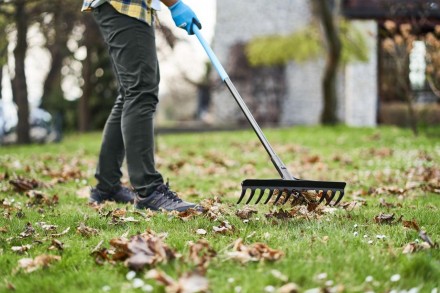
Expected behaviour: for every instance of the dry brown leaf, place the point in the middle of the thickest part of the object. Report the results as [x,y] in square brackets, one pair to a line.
[47,227]
[29,265]
[28,231]
[21,249]
[24,184]
[246,213]
[384,218]
[146,249]
[253,252]
[281,214]
[40,198]
[411,225]
[200,253]
[188,214]
[188,283]
[224,228]
[85,230]
[213,208]
[414,247]
[351,205]
[56,245]
[65,231]
[119,213]
[288,288]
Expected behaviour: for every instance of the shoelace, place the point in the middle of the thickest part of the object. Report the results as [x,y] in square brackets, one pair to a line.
[171,194]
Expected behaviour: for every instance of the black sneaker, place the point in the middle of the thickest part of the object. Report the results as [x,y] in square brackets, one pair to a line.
[120,195]
[162,198]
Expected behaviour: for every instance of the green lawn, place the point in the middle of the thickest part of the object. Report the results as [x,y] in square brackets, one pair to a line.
[387,170]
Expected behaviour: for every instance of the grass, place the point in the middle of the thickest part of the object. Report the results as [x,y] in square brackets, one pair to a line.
[207,165]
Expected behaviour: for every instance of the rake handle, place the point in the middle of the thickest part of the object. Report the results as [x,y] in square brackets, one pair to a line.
[279,165]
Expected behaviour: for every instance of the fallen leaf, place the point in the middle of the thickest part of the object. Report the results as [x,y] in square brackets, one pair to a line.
[289,288]
[21,249]
[29,265]
[56,245]
[47,227]
[24,184]
[201,253]
[65,231]
[384,218]
[411,225]
[253,252]
[40,198]
[281,214]
[85,230]
[224,228]
[188,214]
[187,283]
[246,213]
[414,247]
[29,231]
[146,249]
[351,205]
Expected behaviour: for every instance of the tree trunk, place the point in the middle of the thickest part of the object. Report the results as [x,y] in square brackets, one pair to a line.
[329,113]
[83,105]
[19,81]
[52,99]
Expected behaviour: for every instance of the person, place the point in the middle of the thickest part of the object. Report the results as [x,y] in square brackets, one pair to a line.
[127,29]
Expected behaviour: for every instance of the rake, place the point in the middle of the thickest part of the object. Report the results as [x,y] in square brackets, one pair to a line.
[279,190]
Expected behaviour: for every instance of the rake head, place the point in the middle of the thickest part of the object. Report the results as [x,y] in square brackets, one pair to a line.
[297,191]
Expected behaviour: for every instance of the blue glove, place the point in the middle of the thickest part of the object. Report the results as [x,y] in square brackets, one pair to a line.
[184,17]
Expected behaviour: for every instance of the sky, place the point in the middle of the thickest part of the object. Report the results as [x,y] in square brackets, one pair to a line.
[188,57]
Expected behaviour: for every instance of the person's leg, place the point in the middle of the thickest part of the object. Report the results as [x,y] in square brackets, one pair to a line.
[133,51]
[108,171]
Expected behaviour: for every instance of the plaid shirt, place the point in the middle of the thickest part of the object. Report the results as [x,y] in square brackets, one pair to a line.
[139,9]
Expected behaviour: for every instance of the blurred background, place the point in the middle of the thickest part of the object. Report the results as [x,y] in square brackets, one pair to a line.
[355,62]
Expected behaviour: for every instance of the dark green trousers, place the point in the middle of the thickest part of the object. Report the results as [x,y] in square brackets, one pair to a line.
[129,129]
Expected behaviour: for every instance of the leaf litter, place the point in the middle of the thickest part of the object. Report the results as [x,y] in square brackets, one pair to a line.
[254,252]
[187,283]
[29,265]
[140,251]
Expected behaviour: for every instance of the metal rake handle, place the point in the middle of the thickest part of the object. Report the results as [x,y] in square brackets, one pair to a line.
[279,165]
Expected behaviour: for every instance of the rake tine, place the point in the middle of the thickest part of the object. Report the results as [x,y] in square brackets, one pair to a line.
[341,195]
[280,193]
[243,192]
[324,196]
[289,194]
[261,195]
[331,196]
[271,191]
[251,196]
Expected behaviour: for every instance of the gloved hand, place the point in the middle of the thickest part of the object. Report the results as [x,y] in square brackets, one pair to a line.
[184,17]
